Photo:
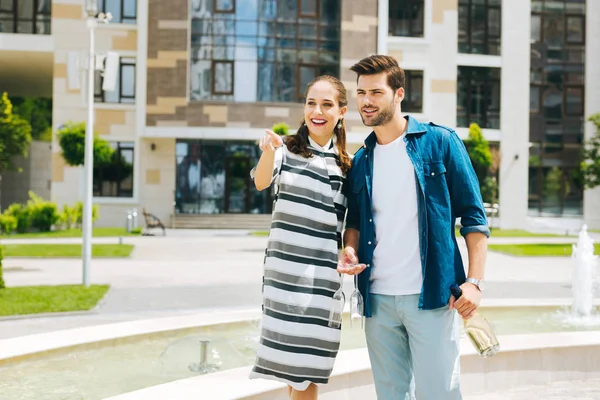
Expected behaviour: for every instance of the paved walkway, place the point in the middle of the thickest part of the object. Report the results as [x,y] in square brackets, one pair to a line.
[580,390]
[189,271]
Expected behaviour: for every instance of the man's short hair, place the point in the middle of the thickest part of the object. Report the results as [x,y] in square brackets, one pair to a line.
[376,64]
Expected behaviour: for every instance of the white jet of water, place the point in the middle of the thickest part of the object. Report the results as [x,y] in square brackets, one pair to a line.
[583,274]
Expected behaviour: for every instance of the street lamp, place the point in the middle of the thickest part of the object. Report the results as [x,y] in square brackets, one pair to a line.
[91,8]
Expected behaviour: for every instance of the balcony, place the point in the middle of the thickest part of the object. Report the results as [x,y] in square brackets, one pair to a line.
[25,16]
[26,48]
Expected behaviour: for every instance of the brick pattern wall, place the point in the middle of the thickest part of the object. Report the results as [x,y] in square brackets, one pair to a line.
[359,40]
[168,74]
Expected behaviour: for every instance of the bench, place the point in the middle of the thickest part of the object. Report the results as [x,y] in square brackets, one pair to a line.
[152,222]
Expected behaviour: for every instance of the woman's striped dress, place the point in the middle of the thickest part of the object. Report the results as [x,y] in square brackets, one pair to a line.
[300,277]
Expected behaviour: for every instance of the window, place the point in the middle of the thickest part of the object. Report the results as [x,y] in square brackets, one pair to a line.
[479,97]
[225,6]
[123,11]
[557,106]
[413,92]
[479,26]
[406,18]
[124,89]
[115,178]
[25,16]
[266,50]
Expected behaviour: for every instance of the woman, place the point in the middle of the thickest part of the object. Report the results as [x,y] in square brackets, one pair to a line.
[297,346]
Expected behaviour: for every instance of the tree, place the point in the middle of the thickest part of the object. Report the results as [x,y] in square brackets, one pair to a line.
[590,166]
[38,112]
[15,135]
[71,137]
[481,158]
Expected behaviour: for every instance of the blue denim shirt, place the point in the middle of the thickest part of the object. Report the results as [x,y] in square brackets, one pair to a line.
[447,188]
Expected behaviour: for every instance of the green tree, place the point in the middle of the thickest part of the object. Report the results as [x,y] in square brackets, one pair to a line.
[590,166]
[15,135]
[71,138]
[481,158]
[38,112]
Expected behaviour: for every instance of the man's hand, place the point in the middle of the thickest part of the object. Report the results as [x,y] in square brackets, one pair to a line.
[348,262]
[468,303]
[270,142]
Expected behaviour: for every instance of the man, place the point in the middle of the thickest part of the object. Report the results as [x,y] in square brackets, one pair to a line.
[408,184]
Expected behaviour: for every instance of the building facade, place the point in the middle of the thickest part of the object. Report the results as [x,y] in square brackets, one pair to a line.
[200,80]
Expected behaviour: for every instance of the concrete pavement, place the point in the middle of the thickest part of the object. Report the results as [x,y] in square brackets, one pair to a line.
[190,271]
[581,390]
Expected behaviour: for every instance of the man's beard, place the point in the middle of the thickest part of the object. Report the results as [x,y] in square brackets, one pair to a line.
[384,117]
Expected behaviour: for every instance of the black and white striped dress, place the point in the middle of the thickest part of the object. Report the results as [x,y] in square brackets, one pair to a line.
[296,345]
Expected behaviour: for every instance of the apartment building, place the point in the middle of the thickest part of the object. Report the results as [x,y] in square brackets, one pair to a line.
[200,80]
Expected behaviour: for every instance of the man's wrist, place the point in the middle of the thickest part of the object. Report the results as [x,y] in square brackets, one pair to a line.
[478,283]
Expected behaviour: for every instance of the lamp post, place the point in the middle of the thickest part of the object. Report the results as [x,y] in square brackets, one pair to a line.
[91,8]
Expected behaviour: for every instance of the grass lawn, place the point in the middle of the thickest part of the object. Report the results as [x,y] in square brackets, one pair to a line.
[495,233]
[46,299]
[537,249]
[65,250]
[72,233]
[260,233]
[514,233]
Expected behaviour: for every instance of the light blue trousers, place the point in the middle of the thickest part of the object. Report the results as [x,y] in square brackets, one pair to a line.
[414,353]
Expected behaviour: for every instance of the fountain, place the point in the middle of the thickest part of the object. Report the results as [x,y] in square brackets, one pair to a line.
[203,367]
[583,275]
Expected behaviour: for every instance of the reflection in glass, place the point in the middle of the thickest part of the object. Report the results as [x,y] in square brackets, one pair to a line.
[261,31]
[213,177]
[114,178]
[406,18]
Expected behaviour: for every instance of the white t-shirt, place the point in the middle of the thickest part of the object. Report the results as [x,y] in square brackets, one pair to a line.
[396,259]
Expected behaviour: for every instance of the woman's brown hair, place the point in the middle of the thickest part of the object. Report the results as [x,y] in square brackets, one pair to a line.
[298,143]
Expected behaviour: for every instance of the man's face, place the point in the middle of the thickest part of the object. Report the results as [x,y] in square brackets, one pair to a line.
[376,100]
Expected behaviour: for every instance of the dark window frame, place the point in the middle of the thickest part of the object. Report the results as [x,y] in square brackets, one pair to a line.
[566,112]
[488,37]
[223,11]
[315,16]
[566,33]
[488,113]
[37,17]
[414,30]
[125,19]
[119,192]
[299,88]
[213,71]
[99,94]
[408,102]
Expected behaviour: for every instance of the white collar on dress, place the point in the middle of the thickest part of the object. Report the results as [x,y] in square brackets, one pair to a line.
[329,146]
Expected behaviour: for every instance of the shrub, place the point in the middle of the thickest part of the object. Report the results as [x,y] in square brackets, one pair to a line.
[22,214]
[44,214]
[68,217]
[281,129]
[2,285]
[79,213]
[8,224]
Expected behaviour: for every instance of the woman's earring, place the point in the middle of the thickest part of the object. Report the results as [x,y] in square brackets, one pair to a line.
[339,125]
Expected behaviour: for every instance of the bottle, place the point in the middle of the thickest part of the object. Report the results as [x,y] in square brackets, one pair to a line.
[478,330]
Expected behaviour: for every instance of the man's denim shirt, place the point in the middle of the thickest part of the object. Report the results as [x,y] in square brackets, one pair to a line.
[447,188]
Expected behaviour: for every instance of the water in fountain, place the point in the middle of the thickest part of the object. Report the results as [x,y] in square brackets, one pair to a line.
[585,262]
[583,274]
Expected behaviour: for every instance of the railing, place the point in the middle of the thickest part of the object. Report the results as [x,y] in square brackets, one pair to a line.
[25,16]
